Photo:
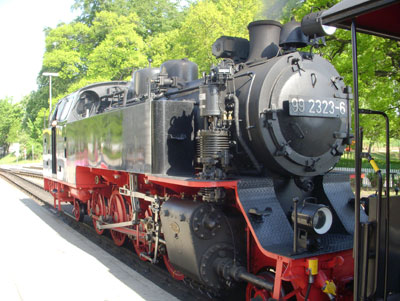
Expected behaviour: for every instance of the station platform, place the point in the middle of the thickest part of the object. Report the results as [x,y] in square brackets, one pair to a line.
[42,258]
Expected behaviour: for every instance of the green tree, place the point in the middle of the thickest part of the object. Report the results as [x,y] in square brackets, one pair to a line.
[33,139]
[121,50]
[156,16]
[33,103]
[67,49]
[10,122]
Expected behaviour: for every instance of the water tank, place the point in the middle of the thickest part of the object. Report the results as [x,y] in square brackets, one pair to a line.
[139,85]
[183,69]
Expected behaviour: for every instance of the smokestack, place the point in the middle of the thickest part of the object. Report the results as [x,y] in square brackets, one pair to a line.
[264,39]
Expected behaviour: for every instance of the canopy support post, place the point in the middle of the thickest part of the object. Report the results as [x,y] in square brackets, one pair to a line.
[356,249]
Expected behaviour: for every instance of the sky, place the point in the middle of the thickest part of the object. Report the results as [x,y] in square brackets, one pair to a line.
[22,41]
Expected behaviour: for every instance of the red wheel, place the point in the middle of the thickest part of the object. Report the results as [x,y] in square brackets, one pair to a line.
[177,275]
[97,206]
[118,214]
[140,242]
[78,211]
[259,294]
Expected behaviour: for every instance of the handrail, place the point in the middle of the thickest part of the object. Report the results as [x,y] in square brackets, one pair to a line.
[372,112]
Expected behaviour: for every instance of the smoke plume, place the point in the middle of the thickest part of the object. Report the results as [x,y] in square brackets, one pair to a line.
[273,9]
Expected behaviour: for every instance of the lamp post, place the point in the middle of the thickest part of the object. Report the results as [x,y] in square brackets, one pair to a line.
[50,74]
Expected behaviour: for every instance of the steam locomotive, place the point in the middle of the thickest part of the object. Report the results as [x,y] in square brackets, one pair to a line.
[226,178]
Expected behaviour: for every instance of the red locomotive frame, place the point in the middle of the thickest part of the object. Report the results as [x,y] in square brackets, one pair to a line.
[290,276]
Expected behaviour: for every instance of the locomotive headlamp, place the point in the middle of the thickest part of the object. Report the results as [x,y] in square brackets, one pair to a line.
[315,217]
[312,26]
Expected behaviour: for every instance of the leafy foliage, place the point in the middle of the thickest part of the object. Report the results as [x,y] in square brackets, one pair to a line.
[9,122]
[121,49]
[156,16]
[67,48]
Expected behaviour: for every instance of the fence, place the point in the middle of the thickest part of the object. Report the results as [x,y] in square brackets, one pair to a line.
[394,174]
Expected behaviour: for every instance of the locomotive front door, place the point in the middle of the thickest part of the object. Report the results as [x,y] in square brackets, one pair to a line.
[53,150]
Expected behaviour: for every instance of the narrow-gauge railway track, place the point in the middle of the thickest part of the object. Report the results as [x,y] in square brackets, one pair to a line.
[184,290]
[32,177]
[28,174]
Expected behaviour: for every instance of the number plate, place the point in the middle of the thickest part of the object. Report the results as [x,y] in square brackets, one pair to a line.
[317,107]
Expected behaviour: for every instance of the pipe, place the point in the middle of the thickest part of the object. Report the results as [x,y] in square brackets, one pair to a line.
[248,126]
[356,249]
[365,259]
[239,134]
[308,291]
[387,206]
[378,228]
[310,282]
[226,268]
[253,279]
[252,76]
[295,201]
[181,91]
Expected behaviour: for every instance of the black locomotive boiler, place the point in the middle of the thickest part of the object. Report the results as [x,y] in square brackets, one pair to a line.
[225,178]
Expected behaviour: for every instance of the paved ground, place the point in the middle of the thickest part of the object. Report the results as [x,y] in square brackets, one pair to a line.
[41,259]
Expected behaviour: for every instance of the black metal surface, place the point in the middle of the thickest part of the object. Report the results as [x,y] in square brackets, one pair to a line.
[384,287]
[173,141]
[337,189]
[366,229]
[123,142]
[274,231]
[231,47]
[197,234]
[208,97]
[183,69]
[139,86]
[292,145]
[311,25]
[291,36]
[264,39]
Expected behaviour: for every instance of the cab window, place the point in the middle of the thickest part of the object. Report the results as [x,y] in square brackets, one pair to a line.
[87,104]
[62,108]
[67,106]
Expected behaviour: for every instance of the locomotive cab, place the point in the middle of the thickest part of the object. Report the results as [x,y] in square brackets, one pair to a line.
[84,103]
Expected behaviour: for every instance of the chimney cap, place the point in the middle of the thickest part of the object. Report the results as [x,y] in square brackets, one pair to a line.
[264,22]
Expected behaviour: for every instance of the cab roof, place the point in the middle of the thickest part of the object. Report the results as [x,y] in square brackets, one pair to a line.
[375,17]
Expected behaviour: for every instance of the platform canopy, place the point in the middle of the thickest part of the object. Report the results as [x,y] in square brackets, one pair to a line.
[376,17]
